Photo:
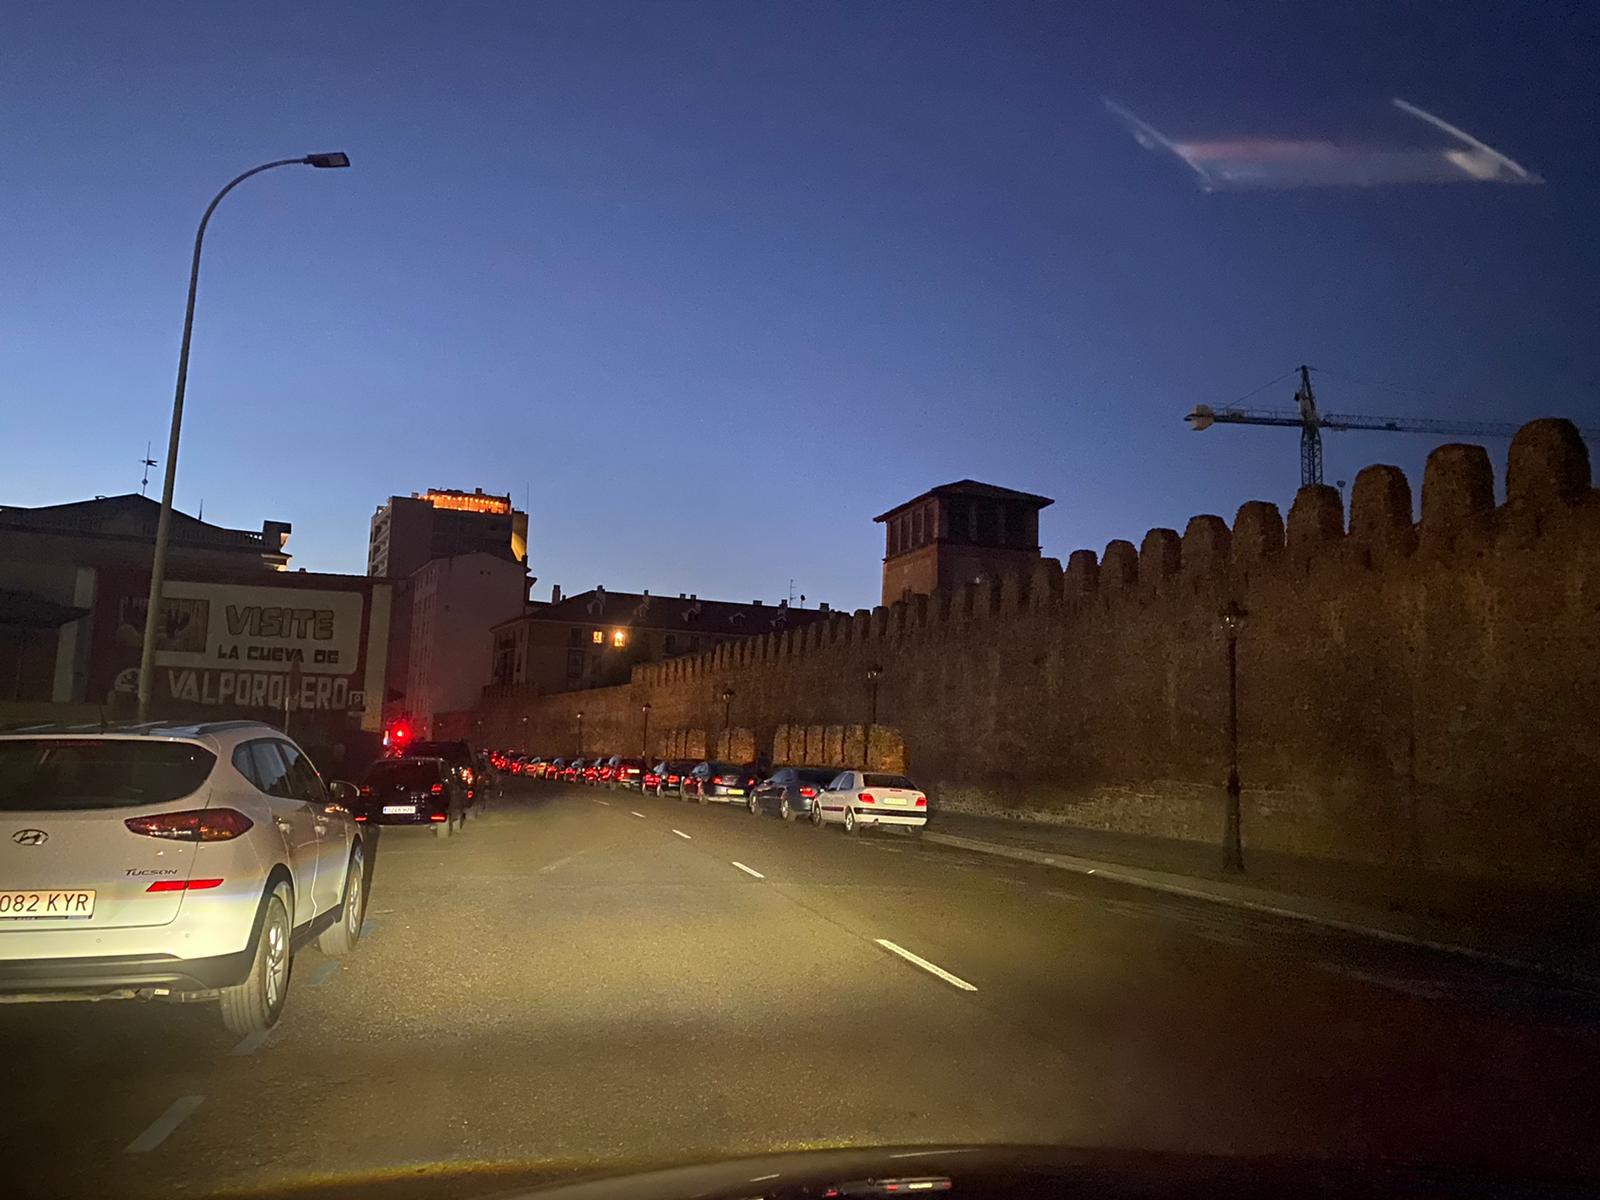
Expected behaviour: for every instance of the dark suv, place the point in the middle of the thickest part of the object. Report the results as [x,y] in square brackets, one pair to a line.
[459,757]
[412,791]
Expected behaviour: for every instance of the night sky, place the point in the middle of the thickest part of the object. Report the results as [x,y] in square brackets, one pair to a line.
[710,285]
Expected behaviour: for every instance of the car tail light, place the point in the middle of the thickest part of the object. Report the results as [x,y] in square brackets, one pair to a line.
[922,802]
[867,798]
[808,792]
[195,825]
[360,817]
[672,779]
[727,779]
[365,789]
[183,885]
[437,789]
[437,816]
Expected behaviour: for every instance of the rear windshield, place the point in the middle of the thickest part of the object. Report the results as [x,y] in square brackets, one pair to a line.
[817,775]
[889,781]
[45,773]
[403,774]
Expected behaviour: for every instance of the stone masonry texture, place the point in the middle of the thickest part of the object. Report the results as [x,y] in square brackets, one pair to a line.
[1424,695]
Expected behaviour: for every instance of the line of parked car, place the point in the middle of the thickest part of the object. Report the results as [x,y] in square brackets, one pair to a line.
[844,796]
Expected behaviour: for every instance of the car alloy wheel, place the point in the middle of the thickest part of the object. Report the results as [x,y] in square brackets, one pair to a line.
[751,805]
[850,825]
[816,813]
[783,809]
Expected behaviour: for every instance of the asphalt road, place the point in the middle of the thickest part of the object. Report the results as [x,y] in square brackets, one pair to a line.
[591,978]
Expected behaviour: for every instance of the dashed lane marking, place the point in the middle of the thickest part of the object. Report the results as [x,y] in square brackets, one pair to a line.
[749,870]
[640,815]
[251,1043]
[561,862]
[683,835]
[919,961]
[182,1108]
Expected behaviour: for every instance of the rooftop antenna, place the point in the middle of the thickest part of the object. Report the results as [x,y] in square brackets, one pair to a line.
[148,463]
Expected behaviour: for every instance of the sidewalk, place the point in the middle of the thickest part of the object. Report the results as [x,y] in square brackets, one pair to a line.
[1542,931]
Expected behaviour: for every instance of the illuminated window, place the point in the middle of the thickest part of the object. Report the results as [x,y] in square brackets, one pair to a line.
[599,638]
[619,637]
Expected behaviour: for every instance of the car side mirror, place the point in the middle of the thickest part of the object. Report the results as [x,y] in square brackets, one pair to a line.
[342,792]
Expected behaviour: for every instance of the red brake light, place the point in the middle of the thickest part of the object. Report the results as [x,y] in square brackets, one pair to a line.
[672,779]
[183,885]
[196,825]
[360,817]
[437,789]
[867,798]
[922,802]
[365,789]
[808,792]
[437,816]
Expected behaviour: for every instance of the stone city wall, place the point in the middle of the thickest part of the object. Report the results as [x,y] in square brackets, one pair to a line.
[1419,693]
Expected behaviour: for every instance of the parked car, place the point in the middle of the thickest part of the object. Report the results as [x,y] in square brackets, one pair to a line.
[856,799]
[720,783]
[666,777]
[412,791]
[573,771]
[628,773]
[461,759]
[591,771]
[789,791]
[607,771]
[172,861]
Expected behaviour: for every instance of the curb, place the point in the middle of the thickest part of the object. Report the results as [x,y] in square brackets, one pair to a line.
[1161,881]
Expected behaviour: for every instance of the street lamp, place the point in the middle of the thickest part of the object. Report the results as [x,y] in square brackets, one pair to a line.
[1233,618]
[644,736]
[874,673]
[580,731]
[158,565]
[727,721]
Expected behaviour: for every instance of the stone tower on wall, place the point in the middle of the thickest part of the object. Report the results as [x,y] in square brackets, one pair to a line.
[957,533]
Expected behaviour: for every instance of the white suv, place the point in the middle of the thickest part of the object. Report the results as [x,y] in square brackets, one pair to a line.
[172,861]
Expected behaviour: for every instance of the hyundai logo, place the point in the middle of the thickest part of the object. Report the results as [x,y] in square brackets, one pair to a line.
[30,837]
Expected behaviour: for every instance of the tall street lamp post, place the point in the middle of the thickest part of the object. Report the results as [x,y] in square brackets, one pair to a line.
[1233,617]
[644,735]
[158,565]
[580,731]
[874,673]
[727,721]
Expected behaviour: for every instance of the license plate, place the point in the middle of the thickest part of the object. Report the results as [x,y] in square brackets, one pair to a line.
[894,800]
[735,791]
[399,808]
[47,904]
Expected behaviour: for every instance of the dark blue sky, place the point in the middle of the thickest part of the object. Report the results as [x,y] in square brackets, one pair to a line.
[716,283]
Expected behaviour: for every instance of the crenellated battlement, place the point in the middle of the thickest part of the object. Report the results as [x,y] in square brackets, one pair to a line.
[1404,683]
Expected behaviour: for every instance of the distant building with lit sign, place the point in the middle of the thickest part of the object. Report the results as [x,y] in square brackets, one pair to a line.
[408,531]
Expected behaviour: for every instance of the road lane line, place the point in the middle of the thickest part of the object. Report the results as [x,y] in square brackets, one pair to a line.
[182,1108]
[683,835]
[953,980]
[561,862]
[597,800]
[640,815]
[322,974]
[749,871]
[252,1042]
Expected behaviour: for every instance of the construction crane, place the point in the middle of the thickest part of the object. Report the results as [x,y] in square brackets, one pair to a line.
[1311,423]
